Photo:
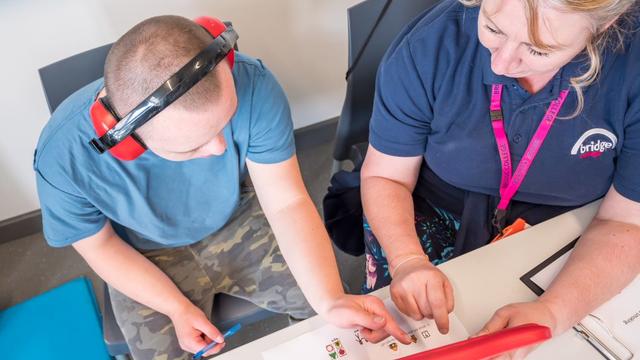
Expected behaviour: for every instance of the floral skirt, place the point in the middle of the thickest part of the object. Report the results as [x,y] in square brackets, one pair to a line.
[437,233]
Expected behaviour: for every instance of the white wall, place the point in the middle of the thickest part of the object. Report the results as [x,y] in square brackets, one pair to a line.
[304,42]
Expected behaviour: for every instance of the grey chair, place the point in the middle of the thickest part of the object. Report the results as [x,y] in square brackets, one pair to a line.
[61,79]
[387,18]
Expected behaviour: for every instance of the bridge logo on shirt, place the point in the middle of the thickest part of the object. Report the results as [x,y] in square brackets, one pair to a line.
[594,143]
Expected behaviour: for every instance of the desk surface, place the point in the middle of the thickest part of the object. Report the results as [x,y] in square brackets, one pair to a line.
[483,280]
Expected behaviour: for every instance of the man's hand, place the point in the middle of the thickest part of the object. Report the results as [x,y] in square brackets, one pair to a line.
[194,331]
[518,314]
[419,290]
[366,313]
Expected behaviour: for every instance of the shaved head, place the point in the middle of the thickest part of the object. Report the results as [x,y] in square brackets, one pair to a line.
[148,54]
[143,59]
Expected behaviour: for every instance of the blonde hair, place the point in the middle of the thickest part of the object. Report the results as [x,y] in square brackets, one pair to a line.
[610,20]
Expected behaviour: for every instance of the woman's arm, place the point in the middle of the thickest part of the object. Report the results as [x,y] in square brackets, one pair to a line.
[418,288]
[387,185]
[605,260]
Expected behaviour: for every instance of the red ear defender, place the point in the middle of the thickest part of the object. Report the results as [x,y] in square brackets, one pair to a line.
[103,120]
[215,27]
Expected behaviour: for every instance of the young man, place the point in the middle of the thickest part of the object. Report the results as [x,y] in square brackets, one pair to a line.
[180,223]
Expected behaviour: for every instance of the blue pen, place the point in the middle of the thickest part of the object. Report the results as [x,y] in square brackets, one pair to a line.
[234,329]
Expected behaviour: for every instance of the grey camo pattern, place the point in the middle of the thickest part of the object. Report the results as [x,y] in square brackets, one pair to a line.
[242,259]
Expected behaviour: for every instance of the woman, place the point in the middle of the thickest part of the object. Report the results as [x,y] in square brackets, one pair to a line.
[460,96]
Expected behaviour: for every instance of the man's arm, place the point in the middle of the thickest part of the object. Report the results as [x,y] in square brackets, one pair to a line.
[306,246]
[135,276]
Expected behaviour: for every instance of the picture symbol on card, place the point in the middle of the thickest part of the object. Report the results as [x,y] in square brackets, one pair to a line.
[414,339]
[339,347]
[393,346]
[359,337]
[332,352]
[425,334]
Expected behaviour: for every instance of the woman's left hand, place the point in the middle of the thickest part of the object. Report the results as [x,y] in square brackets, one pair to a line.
[511,315]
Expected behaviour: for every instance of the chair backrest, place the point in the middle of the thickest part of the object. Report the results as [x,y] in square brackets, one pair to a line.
[353,126]
[64,77]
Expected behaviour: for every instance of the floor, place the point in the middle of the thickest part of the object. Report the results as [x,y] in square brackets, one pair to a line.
[28,266]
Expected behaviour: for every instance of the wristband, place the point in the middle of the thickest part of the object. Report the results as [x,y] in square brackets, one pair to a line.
[408,258]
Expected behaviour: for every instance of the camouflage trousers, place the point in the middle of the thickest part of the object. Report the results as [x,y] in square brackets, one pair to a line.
[242,259]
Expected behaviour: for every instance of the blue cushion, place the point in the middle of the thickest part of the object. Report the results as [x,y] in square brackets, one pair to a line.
[62,323]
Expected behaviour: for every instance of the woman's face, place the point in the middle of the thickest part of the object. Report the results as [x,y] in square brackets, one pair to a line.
[503,29]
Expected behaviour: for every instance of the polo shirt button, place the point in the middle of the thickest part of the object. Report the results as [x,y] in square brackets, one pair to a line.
[517,138]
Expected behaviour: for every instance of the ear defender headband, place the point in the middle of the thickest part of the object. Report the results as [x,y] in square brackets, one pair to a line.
[118,135]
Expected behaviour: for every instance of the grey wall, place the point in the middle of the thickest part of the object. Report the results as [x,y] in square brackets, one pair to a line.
[304,42]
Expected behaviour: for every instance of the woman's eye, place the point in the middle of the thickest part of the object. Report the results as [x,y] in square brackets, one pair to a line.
[537,53]
[492,30]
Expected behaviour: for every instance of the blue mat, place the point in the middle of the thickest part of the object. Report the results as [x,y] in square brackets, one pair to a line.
[62,323]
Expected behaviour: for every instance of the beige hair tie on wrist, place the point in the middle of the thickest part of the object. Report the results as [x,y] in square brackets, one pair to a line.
[394,270]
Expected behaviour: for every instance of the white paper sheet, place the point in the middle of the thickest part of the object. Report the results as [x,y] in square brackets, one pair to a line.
[619,327]
[332,343]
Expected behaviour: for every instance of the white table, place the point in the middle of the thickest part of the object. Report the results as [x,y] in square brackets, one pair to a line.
[483,280]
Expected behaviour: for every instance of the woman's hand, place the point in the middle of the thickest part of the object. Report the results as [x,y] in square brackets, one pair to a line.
[519,314]
[420,290]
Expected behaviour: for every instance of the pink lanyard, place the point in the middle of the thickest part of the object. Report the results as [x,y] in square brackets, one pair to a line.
[509,185]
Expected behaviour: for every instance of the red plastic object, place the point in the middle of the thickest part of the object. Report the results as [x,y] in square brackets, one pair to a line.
[487,346]
[129,148]
[215,27]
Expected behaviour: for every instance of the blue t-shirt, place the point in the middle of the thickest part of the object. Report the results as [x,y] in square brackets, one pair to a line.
[432,99]
[161,203]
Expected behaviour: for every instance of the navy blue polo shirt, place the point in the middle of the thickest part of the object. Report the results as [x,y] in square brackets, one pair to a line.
[432,99]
